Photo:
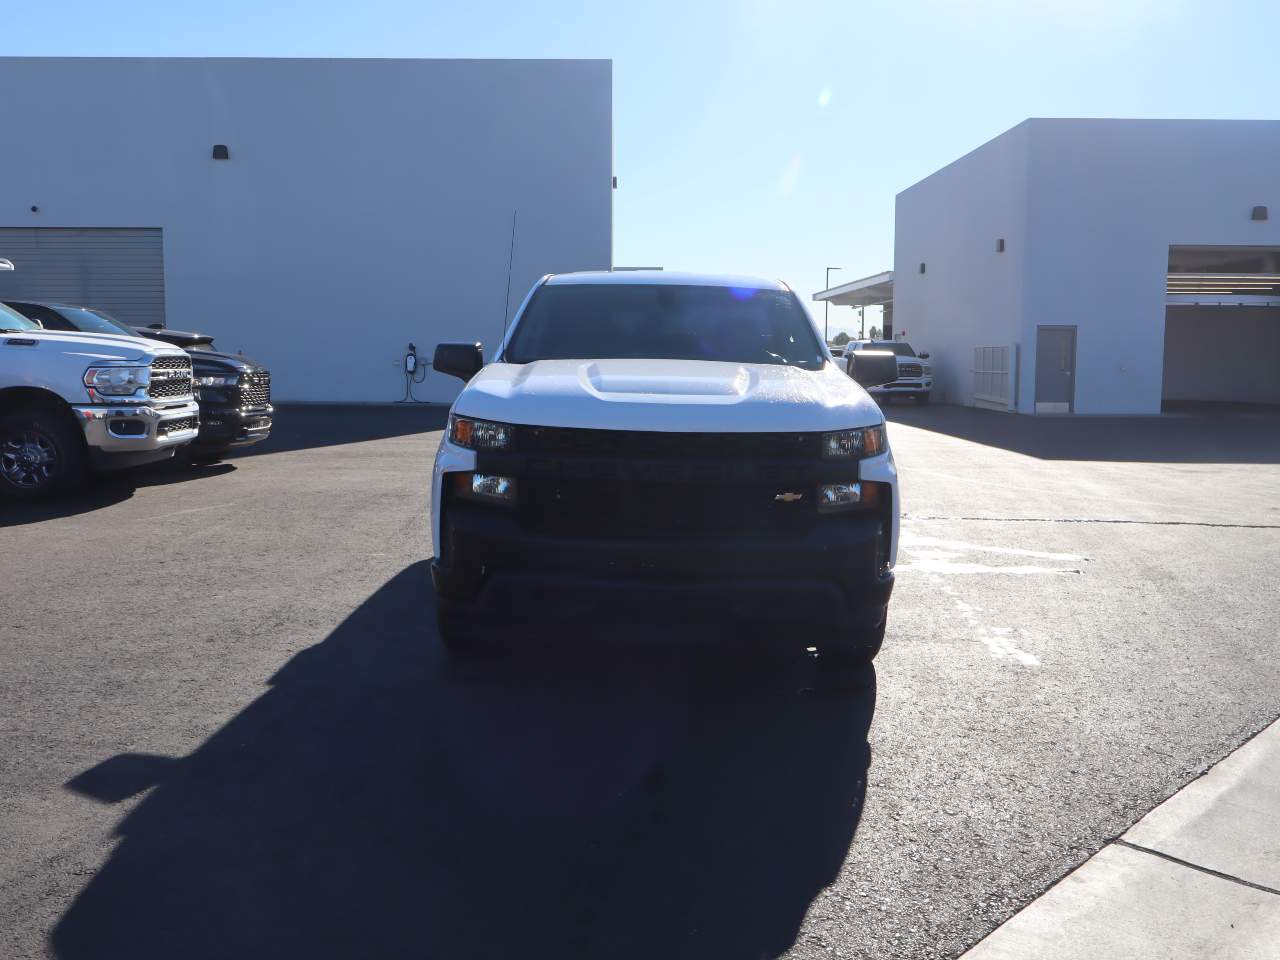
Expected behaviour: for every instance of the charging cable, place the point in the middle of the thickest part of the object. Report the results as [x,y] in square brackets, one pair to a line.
[415,372]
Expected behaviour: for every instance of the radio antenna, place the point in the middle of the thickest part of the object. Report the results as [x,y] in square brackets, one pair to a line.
[511,256]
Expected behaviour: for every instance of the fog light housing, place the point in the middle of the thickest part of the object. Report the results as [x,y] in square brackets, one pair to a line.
[495,487]
[837,497]
[485,488]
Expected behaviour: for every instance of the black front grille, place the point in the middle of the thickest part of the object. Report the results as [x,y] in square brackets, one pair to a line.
[651,445]
[170,377]
[910,370]
[654,485]
[177,425]
[661,511]
[255,389]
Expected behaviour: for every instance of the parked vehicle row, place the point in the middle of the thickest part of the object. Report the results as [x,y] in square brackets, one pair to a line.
[80,390]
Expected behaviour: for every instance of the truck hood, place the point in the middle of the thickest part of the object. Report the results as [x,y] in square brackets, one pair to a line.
[95,346]
[201,357]
[674,396]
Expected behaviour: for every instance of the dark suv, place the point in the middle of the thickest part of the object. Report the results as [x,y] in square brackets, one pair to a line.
[234,392]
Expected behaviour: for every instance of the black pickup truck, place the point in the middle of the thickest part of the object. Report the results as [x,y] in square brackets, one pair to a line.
[234,393]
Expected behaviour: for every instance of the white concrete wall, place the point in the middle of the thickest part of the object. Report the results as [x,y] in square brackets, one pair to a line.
[1222,353]
[969,295]
[366,204]
[1107,200]
[1089,209]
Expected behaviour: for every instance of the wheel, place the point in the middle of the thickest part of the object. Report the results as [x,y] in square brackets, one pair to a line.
[854,647]
[456,629]
[40,451]
[922,397]
[203,458]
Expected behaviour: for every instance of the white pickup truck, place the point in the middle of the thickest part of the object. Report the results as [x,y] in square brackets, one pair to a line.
[69,401]
[649,436]
[915,375]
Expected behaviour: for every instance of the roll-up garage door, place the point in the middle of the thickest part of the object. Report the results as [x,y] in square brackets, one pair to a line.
[118,270]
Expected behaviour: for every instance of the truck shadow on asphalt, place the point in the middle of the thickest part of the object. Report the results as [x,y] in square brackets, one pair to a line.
[303,426]
[379,800]
[106,490]
[1199,435]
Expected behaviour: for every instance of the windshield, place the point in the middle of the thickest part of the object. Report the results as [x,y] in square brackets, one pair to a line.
[11,320]
[665,322]
[94,321]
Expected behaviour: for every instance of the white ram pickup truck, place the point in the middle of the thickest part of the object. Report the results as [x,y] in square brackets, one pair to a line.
[69,401]
[915,375]
[648,436]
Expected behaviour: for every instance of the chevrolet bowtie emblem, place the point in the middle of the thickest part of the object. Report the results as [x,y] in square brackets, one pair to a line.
[789,497]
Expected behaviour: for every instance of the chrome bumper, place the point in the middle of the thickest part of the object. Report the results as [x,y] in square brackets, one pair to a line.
[905,385]
[137,428]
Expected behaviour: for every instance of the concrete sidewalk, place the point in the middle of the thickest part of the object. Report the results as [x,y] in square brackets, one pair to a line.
[1197,877]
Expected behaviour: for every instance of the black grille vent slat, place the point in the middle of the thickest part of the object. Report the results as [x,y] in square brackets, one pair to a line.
[629,503]
[166,387]
[910,370]
[255,389]
[653,511]
[650,445]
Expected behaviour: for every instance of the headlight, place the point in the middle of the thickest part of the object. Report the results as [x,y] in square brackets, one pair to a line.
[117,381]
[854,444]
[217,380]
[479,434]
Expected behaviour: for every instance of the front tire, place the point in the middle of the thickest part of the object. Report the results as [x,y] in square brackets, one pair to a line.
[853,647]
[40,451]
[456,629]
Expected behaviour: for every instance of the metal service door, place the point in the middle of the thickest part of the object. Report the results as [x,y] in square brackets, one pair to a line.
[1055,369]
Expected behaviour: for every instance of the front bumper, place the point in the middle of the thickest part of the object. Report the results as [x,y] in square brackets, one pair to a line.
[222,427]
[833,571]
[125,435]
[905,385]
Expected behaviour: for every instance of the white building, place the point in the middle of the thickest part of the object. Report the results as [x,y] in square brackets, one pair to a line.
[1095,266]
[361,205]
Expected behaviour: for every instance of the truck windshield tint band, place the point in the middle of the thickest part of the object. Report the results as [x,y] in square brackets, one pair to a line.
[665,322]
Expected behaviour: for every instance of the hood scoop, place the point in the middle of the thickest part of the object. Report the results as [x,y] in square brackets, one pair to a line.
[727,384]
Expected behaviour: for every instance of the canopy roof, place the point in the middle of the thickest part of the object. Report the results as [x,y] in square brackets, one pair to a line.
[868,292]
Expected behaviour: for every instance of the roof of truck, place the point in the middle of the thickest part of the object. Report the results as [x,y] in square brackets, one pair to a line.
[665,278]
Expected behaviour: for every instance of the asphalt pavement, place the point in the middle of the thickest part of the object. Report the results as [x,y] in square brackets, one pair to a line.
[227,727]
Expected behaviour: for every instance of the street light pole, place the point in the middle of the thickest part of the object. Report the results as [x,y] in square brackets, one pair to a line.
[826,308]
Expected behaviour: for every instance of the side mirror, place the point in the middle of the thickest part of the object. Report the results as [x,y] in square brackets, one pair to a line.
[461,360]
[924,356]
[871,368]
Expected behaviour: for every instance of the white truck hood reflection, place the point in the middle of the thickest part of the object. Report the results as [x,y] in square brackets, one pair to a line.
[686,396]
[97,347]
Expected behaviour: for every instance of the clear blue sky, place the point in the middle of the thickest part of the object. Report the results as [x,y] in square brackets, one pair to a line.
[759,136]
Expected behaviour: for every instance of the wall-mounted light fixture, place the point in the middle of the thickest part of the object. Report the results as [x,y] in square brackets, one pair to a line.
[922,268]
[220,152]
[34,208]
[1259,213]
[1000,245]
